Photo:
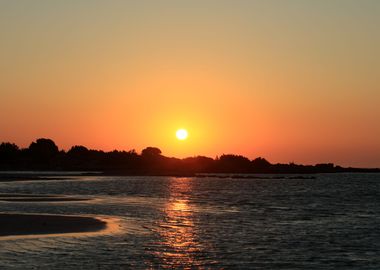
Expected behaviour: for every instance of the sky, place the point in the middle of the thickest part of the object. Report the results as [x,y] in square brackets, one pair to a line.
[291,81]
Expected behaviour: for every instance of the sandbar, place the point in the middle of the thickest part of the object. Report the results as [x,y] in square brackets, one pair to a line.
[34,224]
[9,197]
[42,199]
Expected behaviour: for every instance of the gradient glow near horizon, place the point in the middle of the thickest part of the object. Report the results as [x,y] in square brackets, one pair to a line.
[287,80]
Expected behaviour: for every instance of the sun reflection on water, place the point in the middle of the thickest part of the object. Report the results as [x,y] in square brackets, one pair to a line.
[178,231]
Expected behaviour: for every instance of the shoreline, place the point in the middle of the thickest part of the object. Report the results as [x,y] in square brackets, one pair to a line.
[7,177]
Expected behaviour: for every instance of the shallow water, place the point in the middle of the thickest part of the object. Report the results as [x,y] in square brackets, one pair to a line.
[331,222]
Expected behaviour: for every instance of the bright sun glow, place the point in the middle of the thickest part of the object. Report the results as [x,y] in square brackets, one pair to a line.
[181,134]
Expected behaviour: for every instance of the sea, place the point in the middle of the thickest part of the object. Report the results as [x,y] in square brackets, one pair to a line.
[322,221]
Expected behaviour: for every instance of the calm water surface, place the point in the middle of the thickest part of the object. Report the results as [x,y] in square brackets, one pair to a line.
[331,222]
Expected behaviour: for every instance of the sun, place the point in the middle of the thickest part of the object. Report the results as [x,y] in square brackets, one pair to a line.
[181,134]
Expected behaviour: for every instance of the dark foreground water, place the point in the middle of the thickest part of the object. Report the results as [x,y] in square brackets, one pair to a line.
[331,222]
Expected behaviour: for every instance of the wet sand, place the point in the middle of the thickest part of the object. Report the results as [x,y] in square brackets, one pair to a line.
[9,197]
[42,199]
[32,224]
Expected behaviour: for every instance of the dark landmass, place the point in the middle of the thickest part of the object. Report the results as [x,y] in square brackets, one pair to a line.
[22,224]
[249,176]
[44,155]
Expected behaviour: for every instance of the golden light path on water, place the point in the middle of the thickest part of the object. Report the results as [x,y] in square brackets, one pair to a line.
[178,230]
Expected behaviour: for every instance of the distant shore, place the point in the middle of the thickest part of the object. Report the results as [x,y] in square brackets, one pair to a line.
[10,176]
[45,155]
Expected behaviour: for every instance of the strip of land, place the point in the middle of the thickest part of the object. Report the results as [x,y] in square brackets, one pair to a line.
[15,197]
[30,224]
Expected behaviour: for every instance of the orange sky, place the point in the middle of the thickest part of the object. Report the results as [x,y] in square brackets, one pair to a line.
[287,80]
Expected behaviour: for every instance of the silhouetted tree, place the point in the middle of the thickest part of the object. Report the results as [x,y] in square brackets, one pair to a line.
[152,161]
[78,158]
[260,165]
[121,161]
[9,154]
[43,148]
[151,152]
[43,153]
[8,150]
[199,164]
[233,163]
[78,150]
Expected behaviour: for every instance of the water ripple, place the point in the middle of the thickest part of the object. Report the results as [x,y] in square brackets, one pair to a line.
[330,222]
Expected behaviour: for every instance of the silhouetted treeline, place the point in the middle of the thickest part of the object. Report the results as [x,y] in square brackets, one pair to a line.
[43,154]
